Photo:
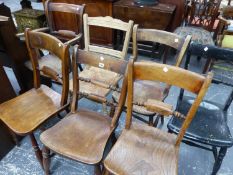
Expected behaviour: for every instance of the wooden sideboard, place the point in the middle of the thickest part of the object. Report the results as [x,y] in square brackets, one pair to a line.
[155,16]
[93,8]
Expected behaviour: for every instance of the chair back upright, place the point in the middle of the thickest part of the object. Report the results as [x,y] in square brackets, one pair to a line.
[158,36]
[107,22]
[72,12]
[37,41]
[171,75]
[203,13]
[108,63]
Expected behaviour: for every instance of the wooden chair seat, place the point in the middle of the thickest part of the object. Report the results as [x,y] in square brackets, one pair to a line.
[70,138]
[26,112]
[209,125]
[144,90]
[100,75]
[143,150]
[48,60]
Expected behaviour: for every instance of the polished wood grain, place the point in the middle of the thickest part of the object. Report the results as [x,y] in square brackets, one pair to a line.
[83,134]
[146,150]
[93,8]
[25,113]
[144,15]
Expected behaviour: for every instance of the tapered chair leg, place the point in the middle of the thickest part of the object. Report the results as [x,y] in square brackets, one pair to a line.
[46,159]
[36,148]
[97,169]
[151,119]
[218,162]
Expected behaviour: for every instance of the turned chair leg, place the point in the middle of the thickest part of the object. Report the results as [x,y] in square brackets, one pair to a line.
[218,162]
[36,148]
[151,119]
[46,159]
[97,169]
[14,138]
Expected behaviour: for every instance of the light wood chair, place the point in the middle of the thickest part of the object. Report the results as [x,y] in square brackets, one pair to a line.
[25,113]
[143,90]
[142,149]
[70,36]
[83,134]
[96,74]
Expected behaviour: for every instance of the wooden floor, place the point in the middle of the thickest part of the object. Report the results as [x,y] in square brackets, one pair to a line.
[192,161]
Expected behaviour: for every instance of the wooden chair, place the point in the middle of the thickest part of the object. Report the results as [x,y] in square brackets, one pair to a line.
[25,113]
[83,134]
[209,129]
[70,36]
[96,74]
[142,149]
[200,21]
[145,89]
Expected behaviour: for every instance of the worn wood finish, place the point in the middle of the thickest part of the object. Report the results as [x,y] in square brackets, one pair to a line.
[107,22]
[156,151]
[93,8]
[25,113]
[154,90]
[209,127]
[101,56]
[93,128]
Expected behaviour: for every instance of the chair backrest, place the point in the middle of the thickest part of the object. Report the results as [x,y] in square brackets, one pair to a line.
[203,13]
[171,75]
[107,22]
[224,56]
[169,39]
[75,25]
[108,63]
[38,40]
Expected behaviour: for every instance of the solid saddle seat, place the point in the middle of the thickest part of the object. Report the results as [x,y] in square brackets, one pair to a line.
[26,112]
[143,150]
[49,60]
[70,137]
[144,90]
[209,125]
[99,75]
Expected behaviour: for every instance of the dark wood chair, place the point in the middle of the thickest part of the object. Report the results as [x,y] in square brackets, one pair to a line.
[83,134]
[25,113]
[144,89]
[209,129]
[200,21]
[142,149]
[73,34]
[96,74]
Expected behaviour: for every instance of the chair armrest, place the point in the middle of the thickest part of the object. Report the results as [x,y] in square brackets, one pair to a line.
[159,107]
[74,40]
[44,29]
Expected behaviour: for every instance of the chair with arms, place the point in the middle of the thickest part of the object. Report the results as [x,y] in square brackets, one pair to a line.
[143,149]
[209,129]
[27,112]
[83,134]
[70,36]
[200,21]
[96,80]
[145,89]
